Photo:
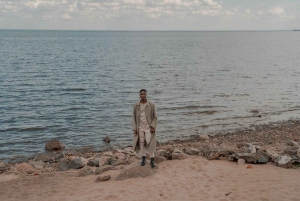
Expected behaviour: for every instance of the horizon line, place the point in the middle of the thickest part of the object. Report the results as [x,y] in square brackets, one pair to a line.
[124,30]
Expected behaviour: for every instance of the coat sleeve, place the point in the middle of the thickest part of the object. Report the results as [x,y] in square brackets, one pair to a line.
[133,119]
[154,118]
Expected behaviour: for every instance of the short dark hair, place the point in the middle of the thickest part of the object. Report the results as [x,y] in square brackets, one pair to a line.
[143,90]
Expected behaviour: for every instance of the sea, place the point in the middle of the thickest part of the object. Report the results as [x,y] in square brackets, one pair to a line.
[80,86]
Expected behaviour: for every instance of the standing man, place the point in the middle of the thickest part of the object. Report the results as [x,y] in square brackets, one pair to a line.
[144,126]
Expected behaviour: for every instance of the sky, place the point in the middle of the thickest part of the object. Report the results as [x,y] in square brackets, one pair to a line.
[150,14]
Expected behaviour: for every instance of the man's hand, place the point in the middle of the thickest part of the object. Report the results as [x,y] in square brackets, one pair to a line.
[152,130]
[135,132]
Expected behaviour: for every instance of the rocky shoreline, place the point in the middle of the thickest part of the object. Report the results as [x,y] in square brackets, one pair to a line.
[276,142]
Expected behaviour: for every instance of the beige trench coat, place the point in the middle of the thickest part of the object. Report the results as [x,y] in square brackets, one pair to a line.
[152,121]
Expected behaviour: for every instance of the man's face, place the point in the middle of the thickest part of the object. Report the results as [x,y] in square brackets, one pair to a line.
[143,95]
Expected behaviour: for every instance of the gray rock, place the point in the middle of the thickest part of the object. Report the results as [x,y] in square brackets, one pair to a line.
[118,155]
[179,156]
[76,164]
[49,157]
[251,149]
[37,164]
[225,152]
[135,170]
[105,168]
[116,162]
[204,137]
[159,159]
[101,179]
[205,151]
[45,157]
[298,153]
[75,153]
[191,151]
[272,155]
[85,171]
[54,145]
[213,155]
[251,157]
[109,154]
[103,160]
[262,159]
[284,161]
[289,152]
[63,165]
[164,153]
[93,162]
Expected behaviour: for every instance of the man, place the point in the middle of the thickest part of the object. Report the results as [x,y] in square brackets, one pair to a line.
[144,126]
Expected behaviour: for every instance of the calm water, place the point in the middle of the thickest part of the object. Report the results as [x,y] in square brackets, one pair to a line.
[80,86]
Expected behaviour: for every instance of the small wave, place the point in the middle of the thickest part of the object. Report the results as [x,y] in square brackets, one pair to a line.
[32,129]
[208,112]
[74,89]
[9,129]
[191,107]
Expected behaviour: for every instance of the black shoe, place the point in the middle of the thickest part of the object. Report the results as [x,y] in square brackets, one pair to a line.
[143,161]
[152,163]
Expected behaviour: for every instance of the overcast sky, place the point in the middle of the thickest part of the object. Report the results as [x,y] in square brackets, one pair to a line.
[150,14]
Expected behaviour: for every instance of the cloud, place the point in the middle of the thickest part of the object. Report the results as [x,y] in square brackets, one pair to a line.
[276,11]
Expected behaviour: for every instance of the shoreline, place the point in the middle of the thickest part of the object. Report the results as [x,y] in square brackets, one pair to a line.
[213,134]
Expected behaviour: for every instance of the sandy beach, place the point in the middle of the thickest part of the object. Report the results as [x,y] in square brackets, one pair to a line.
[194,178]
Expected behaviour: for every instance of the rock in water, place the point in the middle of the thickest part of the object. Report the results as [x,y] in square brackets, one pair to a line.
[135,170]
[106,139]
[204,137]
[101,179]
[54,145]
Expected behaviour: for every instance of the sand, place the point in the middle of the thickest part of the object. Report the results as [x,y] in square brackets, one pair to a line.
[195,178]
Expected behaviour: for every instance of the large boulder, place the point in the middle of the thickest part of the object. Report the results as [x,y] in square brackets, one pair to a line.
[135,170]
[105,168]
[284,161]
[54,144]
